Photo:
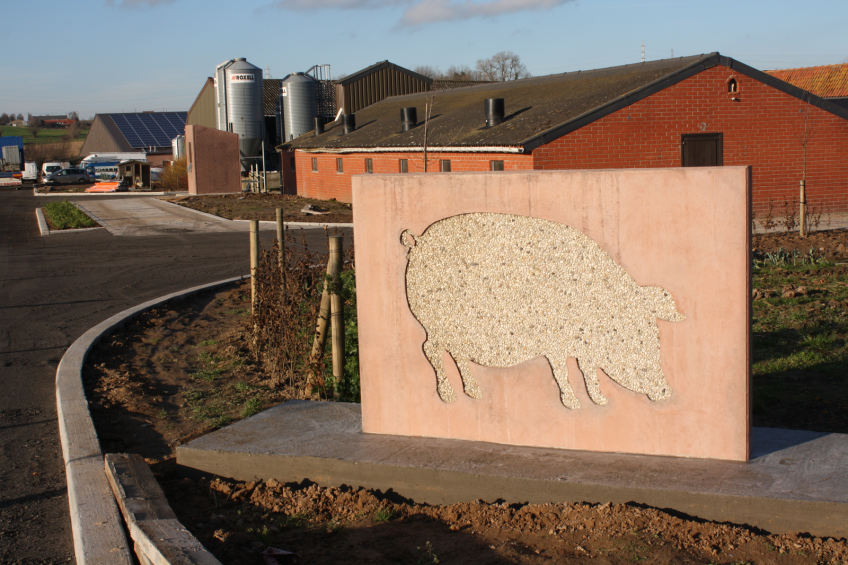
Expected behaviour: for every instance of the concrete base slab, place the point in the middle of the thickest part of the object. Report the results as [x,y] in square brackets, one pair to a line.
[796,481]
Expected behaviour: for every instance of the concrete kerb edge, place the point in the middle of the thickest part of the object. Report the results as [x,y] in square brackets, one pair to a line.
[42,223]
[261,222]
[96,522]
[128,193]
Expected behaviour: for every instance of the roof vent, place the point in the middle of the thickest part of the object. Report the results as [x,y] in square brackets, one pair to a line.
[319,125]
[348,123]
[408,118]
[494,111]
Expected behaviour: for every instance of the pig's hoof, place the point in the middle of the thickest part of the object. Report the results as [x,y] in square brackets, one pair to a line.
[447,394]
[474,392]
[599,398]
[570,402]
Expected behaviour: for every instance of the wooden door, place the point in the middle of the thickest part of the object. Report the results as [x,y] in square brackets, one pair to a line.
[702,150]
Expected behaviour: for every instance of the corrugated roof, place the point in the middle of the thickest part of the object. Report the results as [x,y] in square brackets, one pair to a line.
[271,90]
[828,81]
[379,66]
[534,109]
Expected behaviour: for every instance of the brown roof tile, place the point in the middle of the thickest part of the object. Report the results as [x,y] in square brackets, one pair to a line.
[828,81]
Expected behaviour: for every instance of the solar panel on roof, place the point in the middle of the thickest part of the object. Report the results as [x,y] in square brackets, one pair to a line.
[150,130]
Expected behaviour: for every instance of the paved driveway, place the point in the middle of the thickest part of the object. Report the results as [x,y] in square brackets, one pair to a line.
[52,289]
[139,216]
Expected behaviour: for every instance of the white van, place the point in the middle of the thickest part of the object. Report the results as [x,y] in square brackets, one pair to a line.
[51,167]
[30,172]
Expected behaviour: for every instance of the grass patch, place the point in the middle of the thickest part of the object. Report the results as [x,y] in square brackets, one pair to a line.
[383,515]
[64,215]
[207,342]
[208,375]
[251,407]
[800,353]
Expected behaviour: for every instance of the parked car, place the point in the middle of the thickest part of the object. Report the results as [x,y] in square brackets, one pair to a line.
[50,167]
[68,176]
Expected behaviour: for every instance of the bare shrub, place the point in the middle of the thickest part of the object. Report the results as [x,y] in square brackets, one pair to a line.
[285,316]
[790,217]
[41,152]
[767,221]
[174,176]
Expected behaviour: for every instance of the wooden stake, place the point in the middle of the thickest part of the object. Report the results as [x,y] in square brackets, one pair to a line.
[337,313]
[254,261]
[803,208]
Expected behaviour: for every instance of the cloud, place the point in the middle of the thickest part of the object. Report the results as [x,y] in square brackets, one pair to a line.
[431,11]
[337,4]
[137,3]
[419,12]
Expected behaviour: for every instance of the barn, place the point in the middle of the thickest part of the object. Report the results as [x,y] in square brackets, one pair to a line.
[690,111]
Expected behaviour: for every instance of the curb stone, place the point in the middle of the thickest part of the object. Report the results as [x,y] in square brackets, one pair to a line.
[96,522]
[265,223]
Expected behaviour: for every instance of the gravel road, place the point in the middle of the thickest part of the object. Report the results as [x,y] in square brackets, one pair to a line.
[53,289]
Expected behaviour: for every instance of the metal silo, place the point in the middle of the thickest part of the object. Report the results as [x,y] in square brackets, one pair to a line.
[178,147]
[299,93]
[245,107]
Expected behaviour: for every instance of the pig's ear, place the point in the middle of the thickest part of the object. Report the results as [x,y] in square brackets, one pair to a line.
[661,304]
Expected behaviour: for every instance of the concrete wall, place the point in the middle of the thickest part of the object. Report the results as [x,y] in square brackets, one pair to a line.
[213,160]
[649,222]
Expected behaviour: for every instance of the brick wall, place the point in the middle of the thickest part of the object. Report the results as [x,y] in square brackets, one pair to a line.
[764,129]
[327,183]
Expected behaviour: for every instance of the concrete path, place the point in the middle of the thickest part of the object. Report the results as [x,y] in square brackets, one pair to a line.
[52,290]
[151,216]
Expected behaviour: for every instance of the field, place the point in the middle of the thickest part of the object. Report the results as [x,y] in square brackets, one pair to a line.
[45,135]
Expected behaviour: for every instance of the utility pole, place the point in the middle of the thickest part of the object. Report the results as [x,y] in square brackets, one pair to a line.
[643,51]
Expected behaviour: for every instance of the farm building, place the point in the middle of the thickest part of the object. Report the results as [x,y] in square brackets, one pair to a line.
[828,81]
[148,132]
[691,111]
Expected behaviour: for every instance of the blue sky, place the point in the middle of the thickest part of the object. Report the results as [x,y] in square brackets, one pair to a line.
[132,55]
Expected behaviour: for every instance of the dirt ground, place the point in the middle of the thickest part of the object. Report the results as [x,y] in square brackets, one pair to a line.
[251,206]
[237,521]
[184,370]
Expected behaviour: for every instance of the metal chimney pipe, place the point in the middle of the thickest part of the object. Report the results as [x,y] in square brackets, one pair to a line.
[348,123]
[408,118]
[319,125]
[494,108]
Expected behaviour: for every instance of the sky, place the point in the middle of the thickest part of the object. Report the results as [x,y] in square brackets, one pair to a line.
[98,56]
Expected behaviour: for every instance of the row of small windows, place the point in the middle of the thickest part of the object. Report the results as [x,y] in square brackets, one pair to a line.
[403,165]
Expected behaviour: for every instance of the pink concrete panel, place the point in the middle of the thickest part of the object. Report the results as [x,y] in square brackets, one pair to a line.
[214,160]
[686,230]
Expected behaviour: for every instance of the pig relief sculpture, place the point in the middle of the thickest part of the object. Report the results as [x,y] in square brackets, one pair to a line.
[500,289]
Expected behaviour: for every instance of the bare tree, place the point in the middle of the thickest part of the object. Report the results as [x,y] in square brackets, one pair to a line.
[502,66]
[462,72]
[804,137]
[73,116]
[20,117]
[73,131]
[428,71]
[4,119]
[34,128]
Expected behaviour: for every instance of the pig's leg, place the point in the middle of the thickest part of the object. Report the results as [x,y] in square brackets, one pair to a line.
[469,383]
[593,387]
[434,355]
[560,369]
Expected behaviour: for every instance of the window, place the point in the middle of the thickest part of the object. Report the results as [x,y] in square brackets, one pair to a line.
[445,163]
[404,166]
[732,86]
[314,164]
[369,166]
[291,162]
[339,165]
[495,165]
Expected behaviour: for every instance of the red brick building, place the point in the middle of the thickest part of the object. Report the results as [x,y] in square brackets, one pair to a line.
[692,111]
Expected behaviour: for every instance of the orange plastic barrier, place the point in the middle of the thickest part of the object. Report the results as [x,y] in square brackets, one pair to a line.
[104,187]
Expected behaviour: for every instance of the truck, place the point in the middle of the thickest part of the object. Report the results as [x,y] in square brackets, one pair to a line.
[11,160]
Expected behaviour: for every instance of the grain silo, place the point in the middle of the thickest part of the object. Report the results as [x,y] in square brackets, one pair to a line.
[300,106]
[240,105]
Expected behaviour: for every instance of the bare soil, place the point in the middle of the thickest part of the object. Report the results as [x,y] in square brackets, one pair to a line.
[832,244]
[252,206]
[237,521]
[184,370]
